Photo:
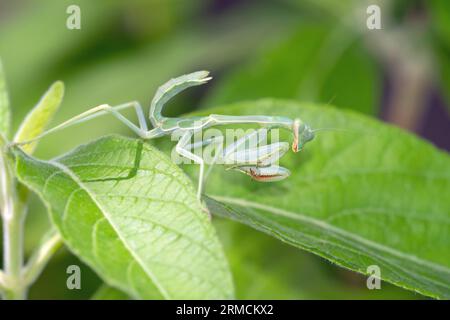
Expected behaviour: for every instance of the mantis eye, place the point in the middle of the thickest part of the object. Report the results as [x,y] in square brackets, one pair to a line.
[302,134]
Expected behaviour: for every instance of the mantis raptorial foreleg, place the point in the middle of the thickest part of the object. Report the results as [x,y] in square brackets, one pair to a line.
[260,156]
[265,174]
[257,161]
[224,154]
[141,130]
[239,154]
[259,135]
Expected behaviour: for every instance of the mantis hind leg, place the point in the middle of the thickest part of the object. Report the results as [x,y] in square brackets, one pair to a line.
[187,147]
[182,148]
[141,130]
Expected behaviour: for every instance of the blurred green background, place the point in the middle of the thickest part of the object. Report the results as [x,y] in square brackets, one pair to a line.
[306,50]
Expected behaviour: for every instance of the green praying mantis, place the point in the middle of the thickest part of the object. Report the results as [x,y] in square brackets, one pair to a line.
[257,162]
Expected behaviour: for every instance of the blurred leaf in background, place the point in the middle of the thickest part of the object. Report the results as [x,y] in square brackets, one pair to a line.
[319,63]
[440,17]
[5,114]
[120,62]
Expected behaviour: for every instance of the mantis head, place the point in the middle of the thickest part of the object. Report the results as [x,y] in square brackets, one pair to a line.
[302,134]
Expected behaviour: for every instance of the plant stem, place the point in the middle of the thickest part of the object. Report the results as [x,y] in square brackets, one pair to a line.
[15,278]
[13,225]
[13,257]
[38,261]
[2,282]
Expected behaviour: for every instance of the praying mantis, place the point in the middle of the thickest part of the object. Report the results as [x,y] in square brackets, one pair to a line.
[257,162]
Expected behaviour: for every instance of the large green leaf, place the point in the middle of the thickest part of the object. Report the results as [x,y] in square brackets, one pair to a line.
[372,195]
[265,268]
[5,116]
[133,216]
[317,64]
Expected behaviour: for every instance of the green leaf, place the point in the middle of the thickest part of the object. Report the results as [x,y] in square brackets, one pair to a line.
[443,59]
[440,15]
[5,114]
[265,268]
[38,118]
[372,195]
[316,64]
[133,216]
[106,292]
